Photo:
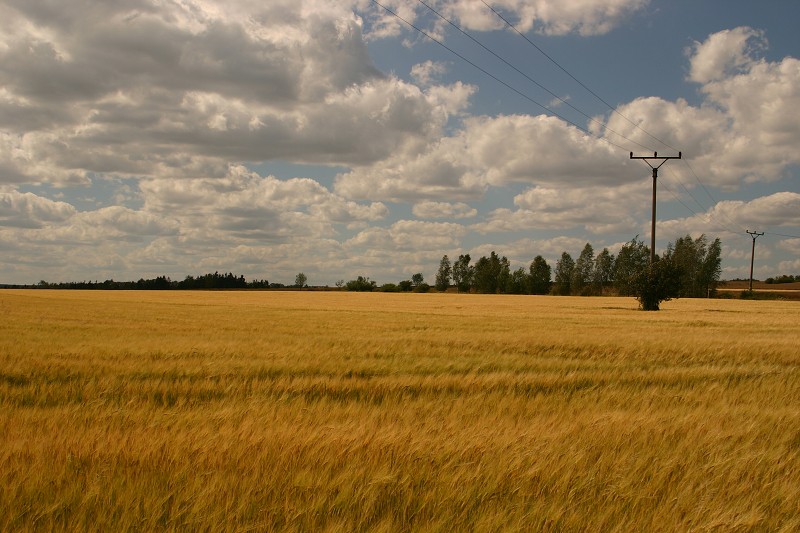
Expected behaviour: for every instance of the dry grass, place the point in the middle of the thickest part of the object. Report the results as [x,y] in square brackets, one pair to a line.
[428,412]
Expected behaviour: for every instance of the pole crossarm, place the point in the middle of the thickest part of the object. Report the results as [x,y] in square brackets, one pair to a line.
[662,158]
[647,159]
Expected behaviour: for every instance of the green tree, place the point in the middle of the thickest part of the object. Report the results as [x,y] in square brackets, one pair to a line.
[483,279]
[583,271]
[504,275]
[602,276]
[632,259]
[462,273]
[518,282]
[699,263]
[711,268]
[540,273]
[491,274]
[563,275]
[443,275]
[300,280]
[417,279]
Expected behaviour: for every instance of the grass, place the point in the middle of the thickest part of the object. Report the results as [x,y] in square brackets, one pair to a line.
[272,411]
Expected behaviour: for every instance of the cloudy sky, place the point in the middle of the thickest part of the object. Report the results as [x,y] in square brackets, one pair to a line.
[170,137]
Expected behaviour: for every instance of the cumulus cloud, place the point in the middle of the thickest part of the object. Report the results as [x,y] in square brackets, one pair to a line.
[253,207]
[27,210]
[410,235]
[154,90]
[731,217]
[493,151]
[723,53]
[425,73]
[551,17]
[597,209]
[428,209]
[744,132]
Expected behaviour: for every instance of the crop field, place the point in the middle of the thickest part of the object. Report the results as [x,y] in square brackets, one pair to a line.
[328,411]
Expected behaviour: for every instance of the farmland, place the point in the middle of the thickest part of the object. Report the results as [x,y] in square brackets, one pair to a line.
[333,411]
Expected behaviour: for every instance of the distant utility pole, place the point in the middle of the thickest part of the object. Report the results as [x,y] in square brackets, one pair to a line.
[755,235]
[647,160]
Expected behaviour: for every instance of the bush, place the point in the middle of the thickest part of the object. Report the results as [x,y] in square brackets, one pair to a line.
[360,284]
[422,287]
[659,282]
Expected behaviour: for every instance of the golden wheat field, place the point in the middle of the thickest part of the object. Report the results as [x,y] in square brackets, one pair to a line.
[328,411]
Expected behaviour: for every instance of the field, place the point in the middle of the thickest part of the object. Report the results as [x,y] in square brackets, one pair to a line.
[275,411]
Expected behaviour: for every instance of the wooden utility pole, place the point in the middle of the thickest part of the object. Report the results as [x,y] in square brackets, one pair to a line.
[655,168]
[755,235]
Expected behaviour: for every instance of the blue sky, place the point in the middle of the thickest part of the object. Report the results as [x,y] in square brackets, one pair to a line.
[267,138]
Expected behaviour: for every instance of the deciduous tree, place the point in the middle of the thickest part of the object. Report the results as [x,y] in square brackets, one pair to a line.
[563,275]
[540,273]
[443,275]
[582,273]
[462,273]
[632,259]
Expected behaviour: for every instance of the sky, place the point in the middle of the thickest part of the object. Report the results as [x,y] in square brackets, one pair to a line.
[141,138]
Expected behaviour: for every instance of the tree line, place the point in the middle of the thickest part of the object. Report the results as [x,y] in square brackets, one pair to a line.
[206,281]
[688,268]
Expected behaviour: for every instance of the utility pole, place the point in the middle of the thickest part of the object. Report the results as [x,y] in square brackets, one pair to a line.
[647,160]
[755,235]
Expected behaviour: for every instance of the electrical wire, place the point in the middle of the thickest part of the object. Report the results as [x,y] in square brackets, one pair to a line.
[708,211]
[677,198]
[579,82]
[601,99]
[498,80]
[526,76]
[782,235]
[570,122]
[592,119]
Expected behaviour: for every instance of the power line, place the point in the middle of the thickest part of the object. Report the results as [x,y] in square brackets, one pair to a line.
[551,93]
[579,82]
[498,80]
[782,235]
[677,198]
[556,114]
[706,211]
[612,108]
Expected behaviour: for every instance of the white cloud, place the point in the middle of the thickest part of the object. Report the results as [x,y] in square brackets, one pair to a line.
[493,152]
[724,53]
[778,209]
[428,209]
[745,130]
[552,17]
[26,210]
[790,245]
[410,235]
[156,90]
[789,267]
[426,72]
[730,216]
[253,207]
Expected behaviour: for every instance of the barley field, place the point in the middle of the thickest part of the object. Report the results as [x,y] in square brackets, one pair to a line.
[328,411]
